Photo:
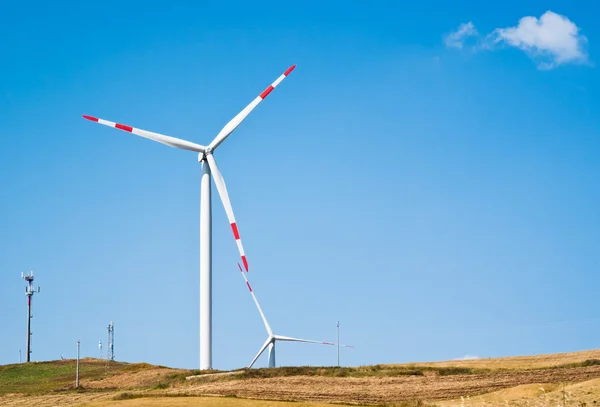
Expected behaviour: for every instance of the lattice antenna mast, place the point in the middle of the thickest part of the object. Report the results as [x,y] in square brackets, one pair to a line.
[110,351]
[29,291]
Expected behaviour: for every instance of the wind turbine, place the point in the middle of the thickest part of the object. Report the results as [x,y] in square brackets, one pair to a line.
[209,167]
[272,338]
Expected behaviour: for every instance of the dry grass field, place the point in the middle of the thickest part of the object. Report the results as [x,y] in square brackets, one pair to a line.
[568,379]
[204,402]
[520,362]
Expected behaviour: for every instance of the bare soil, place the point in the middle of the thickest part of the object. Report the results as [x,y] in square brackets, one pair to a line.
[379,390]
[131,380]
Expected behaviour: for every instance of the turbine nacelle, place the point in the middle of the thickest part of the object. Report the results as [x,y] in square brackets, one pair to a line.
[207,150]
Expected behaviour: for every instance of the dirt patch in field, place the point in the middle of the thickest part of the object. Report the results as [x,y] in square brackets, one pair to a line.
[579,394]
[52,400]
[133,380]
[199,401]
[377,390]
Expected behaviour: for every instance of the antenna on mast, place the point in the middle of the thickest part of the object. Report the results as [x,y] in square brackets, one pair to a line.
[29,291]
[110,345]
[110,352]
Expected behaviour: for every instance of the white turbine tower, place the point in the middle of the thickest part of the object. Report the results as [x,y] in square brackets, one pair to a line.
[272,338]
[209,166]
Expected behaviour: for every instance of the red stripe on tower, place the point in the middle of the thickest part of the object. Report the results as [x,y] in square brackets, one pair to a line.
[266,92]
[29,301]
[123,127]
[249,288]
[240,267]
[236,233]
[290,69]
[94,119]
[245,262]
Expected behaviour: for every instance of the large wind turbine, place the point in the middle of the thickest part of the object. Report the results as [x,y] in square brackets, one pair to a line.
[209,166]
[272,338]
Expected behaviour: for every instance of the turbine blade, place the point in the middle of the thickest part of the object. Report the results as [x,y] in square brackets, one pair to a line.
[262,349]
[161,138]
[262,315]
[220,183]
[288,338]
[239,118]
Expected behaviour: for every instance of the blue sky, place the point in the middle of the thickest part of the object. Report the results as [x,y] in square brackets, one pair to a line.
[438,200]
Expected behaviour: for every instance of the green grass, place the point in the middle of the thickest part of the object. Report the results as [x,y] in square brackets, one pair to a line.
[410,403]
[448,371]
[585,363]
[44,377]
[362,371]
[127,396]
[323,372]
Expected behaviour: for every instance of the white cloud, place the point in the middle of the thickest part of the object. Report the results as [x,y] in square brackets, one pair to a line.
[468,357]
[550,40]
[456,39]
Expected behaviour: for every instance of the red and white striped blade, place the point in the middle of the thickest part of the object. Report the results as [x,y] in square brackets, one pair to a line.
[161,138]
[262,315]
[239,118]
[222,189]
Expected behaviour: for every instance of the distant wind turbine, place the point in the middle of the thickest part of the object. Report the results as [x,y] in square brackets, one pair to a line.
[272,338]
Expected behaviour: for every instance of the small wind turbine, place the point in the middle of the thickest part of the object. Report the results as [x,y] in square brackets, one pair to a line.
[272,338]
[209,166]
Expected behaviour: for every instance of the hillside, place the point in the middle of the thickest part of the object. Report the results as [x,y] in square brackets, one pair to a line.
[567,378]
[521,362]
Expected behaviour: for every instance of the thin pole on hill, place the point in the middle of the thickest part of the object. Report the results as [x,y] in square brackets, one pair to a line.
[338,342]
[77,374]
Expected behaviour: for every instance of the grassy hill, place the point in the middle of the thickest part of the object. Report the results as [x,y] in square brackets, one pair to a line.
[541,380]
[55,376]
[520,362]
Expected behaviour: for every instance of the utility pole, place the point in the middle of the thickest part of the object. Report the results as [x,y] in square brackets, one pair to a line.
[29,291]
[338,342]
[19,355]
[77,373]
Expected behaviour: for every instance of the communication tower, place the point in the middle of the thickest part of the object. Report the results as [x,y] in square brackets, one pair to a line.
[110,351]
[29,291]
